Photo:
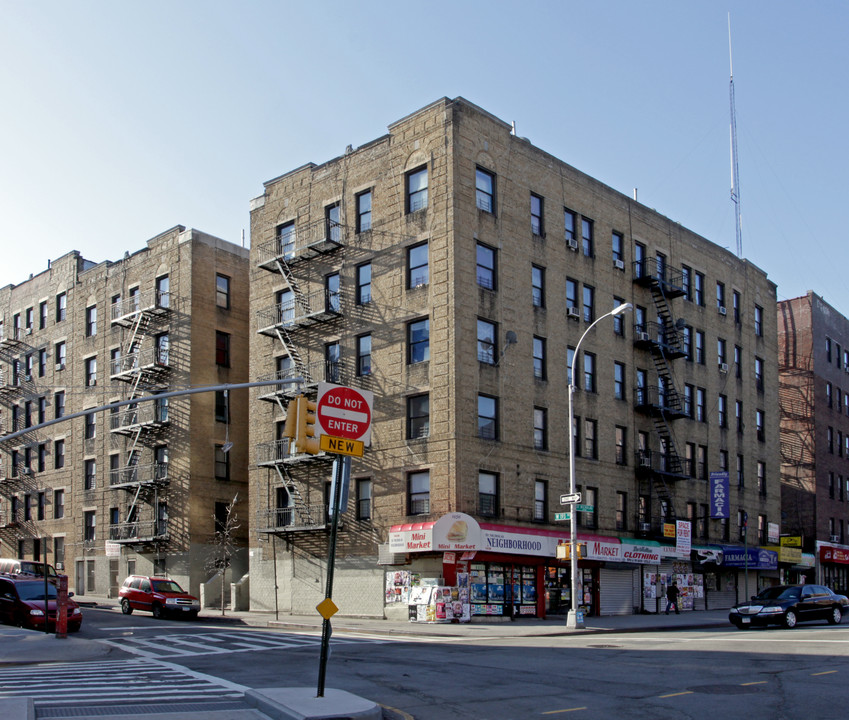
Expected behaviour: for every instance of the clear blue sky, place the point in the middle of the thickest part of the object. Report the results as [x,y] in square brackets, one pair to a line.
[119,120]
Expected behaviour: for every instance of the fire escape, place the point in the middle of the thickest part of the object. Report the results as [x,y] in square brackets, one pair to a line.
[143,364]
[657,471]
[17,393]
[295,501]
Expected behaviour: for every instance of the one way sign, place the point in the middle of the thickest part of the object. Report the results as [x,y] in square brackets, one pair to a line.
[570,498]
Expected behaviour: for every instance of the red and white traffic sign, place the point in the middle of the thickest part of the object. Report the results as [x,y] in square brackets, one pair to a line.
[344,412]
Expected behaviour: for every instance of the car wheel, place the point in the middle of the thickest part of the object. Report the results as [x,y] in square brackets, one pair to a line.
[157,611]
[836,616]
[125,607]
[790,619]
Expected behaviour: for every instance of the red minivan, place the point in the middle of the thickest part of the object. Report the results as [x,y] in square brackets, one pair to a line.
[158,595]
[22,603]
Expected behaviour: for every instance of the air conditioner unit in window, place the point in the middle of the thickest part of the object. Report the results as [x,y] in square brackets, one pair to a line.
[722,311]
[572,244]
[619,264]
[645,527]
[835,538]
[92,382]
[644,336]
[60,366]
[29,331]
[573,312]
[723,367]
[27,378]
[645,462]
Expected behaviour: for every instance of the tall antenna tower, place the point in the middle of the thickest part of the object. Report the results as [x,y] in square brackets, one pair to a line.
[735,170]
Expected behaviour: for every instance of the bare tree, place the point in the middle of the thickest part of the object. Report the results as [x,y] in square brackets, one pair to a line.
[223,544]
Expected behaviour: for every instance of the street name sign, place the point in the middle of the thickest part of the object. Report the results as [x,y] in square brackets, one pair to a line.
[584,508]
[562,516]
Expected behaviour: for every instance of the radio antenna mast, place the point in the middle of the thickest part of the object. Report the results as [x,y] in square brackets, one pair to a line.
[735,170]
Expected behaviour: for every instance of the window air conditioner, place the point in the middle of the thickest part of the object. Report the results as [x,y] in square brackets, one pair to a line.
[644,336]
[572,312]
[645,462]
[645,527]
[572,244]
[722,311]
[27,378]
[60,366]
[723,367]
[619,264]
[29,331]
[835,538]
[92,382]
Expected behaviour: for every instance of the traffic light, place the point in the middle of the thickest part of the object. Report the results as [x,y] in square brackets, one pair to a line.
[305,439]
[290,427]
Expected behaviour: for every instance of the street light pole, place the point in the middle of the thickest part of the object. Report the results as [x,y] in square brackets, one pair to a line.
[572,617]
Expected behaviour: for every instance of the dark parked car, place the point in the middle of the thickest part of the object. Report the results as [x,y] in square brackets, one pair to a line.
[158,595]
[790,604]
[22,603]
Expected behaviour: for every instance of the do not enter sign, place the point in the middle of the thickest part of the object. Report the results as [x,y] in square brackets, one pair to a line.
[344,412]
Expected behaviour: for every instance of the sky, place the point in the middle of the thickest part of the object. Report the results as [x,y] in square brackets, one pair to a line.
[119,120]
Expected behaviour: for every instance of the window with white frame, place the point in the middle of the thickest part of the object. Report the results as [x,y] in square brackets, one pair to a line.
[418,273]
[537,218]
[538,286]
[417,189]
[485,190]
[418,491]
[539,358]
[540,428]
[487,342]
[487,417]
[418,416]
[487,494]
[485,266]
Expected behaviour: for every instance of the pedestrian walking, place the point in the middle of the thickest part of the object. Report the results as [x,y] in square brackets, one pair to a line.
[672,594]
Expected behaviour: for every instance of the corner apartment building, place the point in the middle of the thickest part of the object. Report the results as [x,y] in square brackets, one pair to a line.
[135,488]
[813,345]
[451,268]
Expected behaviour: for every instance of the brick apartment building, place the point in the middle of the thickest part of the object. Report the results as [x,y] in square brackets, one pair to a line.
[450,267]
[135,489]
[813,352]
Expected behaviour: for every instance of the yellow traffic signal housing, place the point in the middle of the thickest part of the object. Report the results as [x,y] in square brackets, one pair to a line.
[290,427]
[305,439]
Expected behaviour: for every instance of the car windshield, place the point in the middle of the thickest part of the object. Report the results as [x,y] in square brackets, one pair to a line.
[35,591]
[168,586]
[779,592]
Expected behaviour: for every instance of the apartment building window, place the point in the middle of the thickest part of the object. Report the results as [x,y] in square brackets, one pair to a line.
[539,358]
[90,371]
[487,417]
[418,490]
[699,288]
[364,355]
[720,296]
[759,322]
[58,504]
[589,303]
[702,522]
[59,352]
[639,259]
[687,281]
[332,356]
[485,266]
[621,435]
[644,512]
[417,189]
[619,380]
[485,190]
[537,219]
[17,332]
[738,362]
[364,499]
[332,222]
[332,293]
[222,406]
[741,479]
[618,320]
[89,525]
[27,508]
[690,459]
[591,439]
[222,291]
[570,364]
[163,291]
[760,425]
[589,519]
[735,301]
[538,286]
[589,372]
[90,427]
[61,307]
[222,463]
[222,349]
[540,500]
[742,522]
[91,321]
[42,362]
[722,411]
[286,240]
[42,315]
[363,201]
[540,428]
[588,243]
[418,341]
[759,377]
[702,462]
[417,266]
[738,414]
[569,225]
[762,530]
[571,295]
[700,347]
[762,478]
[364,284]
[90,474]
[487,342]
[721,357]
[621,510]
[42,457]
[487,494]
[640,387]
[617,243]
[59,404]
[701,405]
[723,460]
[418,416]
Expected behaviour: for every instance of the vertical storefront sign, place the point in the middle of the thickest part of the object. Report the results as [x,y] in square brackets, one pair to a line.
[719,495]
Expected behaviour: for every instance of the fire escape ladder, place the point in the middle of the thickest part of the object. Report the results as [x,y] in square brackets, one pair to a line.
[293,487]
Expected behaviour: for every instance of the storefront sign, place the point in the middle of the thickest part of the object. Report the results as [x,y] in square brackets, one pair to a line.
[669,530]
[521,544]
[772,532]
[597,550]
[411,539]
[641,554]
[456,532]
[792,555]
[834,555]
[719,495]
[753,558]
[683,537]
[791,541]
